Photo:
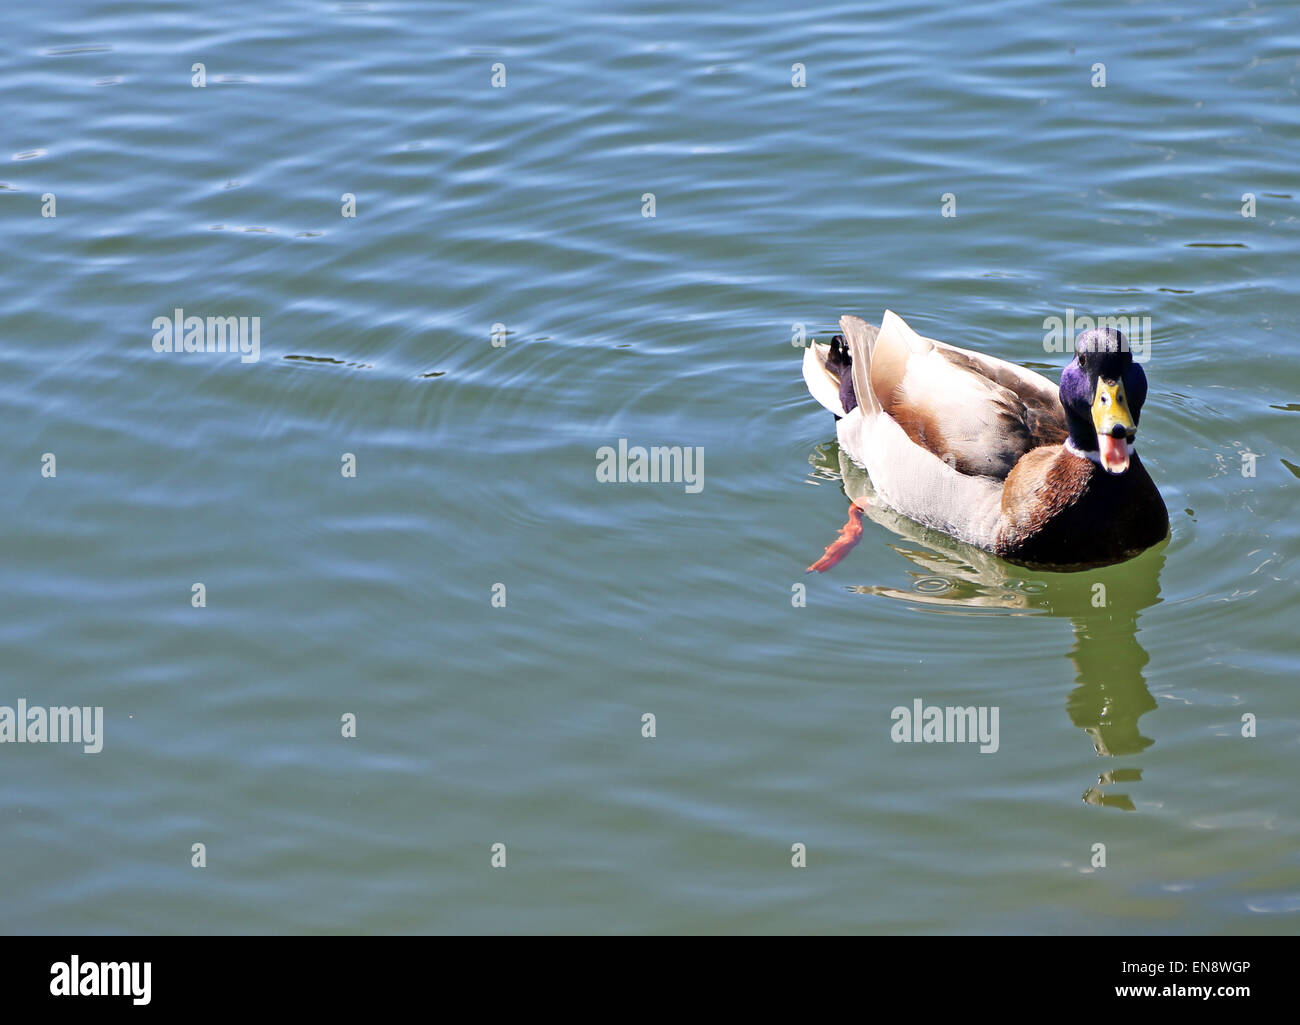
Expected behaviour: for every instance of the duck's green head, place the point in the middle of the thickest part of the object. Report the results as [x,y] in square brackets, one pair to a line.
[1102,391]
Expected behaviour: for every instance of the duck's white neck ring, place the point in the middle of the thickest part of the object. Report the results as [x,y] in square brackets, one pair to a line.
[1093,454]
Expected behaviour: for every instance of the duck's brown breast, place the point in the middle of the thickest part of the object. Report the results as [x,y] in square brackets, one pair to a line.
[1060,510]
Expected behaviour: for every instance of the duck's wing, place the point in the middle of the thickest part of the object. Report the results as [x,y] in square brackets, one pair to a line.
[976,413]
[908,476]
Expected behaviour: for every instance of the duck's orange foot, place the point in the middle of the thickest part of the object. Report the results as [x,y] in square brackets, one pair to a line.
[850,534]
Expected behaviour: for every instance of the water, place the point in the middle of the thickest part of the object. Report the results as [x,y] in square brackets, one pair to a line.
[522,206]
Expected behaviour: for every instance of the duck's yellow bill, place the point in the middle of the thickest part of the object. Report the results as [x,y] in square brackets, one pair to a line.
[1109,410]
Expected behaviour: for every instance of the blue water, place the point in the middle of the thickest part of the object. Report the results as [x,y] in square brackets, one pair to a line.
[521,205]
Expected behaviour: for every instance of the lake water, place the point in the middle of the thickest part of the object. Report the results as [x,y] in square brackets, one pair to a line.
[514,213]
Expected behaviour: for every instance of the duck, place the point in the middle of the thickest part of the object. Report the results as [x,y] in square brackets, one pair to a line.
[993,454]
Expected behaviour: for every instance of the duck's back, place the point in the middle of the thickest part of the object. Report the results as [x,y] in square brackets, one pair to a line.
[977,413]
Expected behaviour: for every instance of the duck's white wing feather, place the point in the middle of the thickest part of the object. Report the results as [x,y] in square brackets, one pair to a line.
[936,434]
[918,483]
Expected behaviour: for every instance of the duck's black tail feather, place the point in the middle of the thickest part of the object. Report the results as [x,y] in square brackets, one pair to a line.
[840,363]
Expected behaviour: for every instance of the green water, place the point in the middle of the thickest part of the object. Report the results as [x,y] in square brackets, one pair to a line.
[522,206]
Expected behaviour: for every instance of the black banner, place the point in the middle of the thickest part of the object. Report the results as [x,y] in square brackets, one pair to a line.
[147,975]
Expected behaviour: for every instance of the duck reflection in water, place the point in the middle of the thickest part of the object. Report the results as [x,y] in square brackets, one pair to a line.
[1102,605]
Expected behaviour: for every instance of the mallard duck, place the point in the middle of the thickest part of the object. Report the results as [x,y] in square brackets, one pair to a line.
[991,453]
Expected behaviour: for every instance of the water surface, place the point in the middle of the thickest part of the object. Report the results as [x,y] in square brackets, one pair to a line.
[522,206]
